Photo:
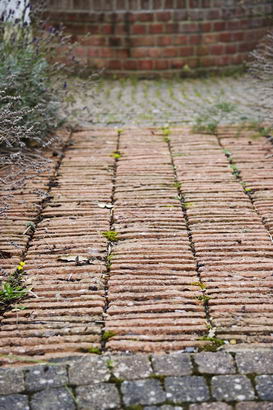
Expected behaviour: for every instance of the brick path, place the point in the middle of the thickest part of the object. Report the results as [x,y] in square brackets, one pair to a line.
[193,260]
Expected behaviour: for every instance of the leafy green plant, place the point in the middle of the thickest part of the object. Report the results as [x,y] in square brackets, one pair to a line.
[112,236]
[214,344]
[235,170]
[201,285]
[12,289]
[110,364]
[177,185]
[203,298]
[94,350]
[116,154]
[166,133]
[108,334]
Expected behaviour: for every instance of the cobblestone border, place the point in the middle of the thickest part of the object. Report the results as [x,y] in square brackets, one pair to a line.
[205,380]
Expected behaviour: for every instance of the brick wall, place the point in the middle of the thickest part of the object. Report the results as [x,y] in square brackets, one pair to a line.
[166,36]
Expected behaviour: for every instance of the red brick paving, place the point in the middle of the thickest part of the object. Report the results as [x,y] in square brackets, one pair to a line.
[149,298]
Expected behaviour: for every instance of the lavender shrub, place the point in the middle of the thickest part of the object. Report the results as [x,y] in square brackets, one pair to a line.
[34,95]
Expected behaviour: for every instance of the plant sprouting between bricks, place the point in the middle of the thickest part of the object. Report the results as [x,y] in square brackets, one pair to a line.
[13,289]
[111,236]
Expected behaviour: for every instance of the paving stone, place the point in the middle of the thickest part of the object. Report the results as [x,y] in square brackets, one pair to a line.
[142,392]
[40,377]
[232,388]
[186,388]
[167,99]
[254,405]
[210,406]
[90,369]
[11,381]
[264,387]
[255,362]
[14,402]
[131,367]
[164,407]
[213,363]
[53,399]
[98,397]
[174,364]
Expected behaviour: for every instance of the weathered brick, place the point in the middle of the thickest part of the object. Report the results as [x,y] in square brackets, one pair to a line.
[210,406]
[131,367]
[11,381]
[175,364]
[14,401]
[255,362]
[142,392]
[187,388]
[100,396]
[41,377]
[90,369]
[232,388]
[254,405]
[59,399]
[264,387]
[213,363]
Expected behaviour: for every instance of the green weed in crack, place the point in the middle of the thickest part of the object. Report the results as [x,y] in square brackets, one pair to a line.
[214,343]
[13,289]
[111,236]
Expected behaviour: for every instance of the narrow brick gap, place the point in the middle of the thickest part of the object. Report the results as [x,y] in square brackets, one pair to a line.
[237,174]
[43,203]
[183,201]
[104,336]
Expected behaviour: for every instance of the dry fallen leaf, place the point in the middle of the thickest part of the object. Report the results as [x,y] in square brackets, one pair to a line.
[105,205]
[73,258]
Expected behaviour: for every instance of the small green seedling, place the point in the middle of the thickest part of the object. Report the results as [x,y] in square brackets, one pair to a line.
[12,289]
[235,170]
[227,153]
[203,298]
[10,293]
[177,185]
[187,205]
[116,154]
[166,132]
[109,260]
[30,227]
[201,285]
[112,236]
[94,350]
[110,364]
[107,335]
[248,190]
[215,343]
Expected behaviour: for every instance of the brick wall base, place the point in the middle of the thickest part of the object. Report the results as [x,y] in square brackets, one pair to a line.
[163,36]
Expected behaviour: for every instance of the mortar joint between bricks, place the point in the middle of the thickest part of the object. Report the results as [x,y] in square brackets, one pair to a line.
[239,179]
[44,201]
[38,218]
[182,201]
[109,249]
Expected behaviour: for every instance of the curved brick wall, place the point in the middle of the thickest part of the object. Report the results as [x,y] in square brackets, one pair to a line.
[164,35]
